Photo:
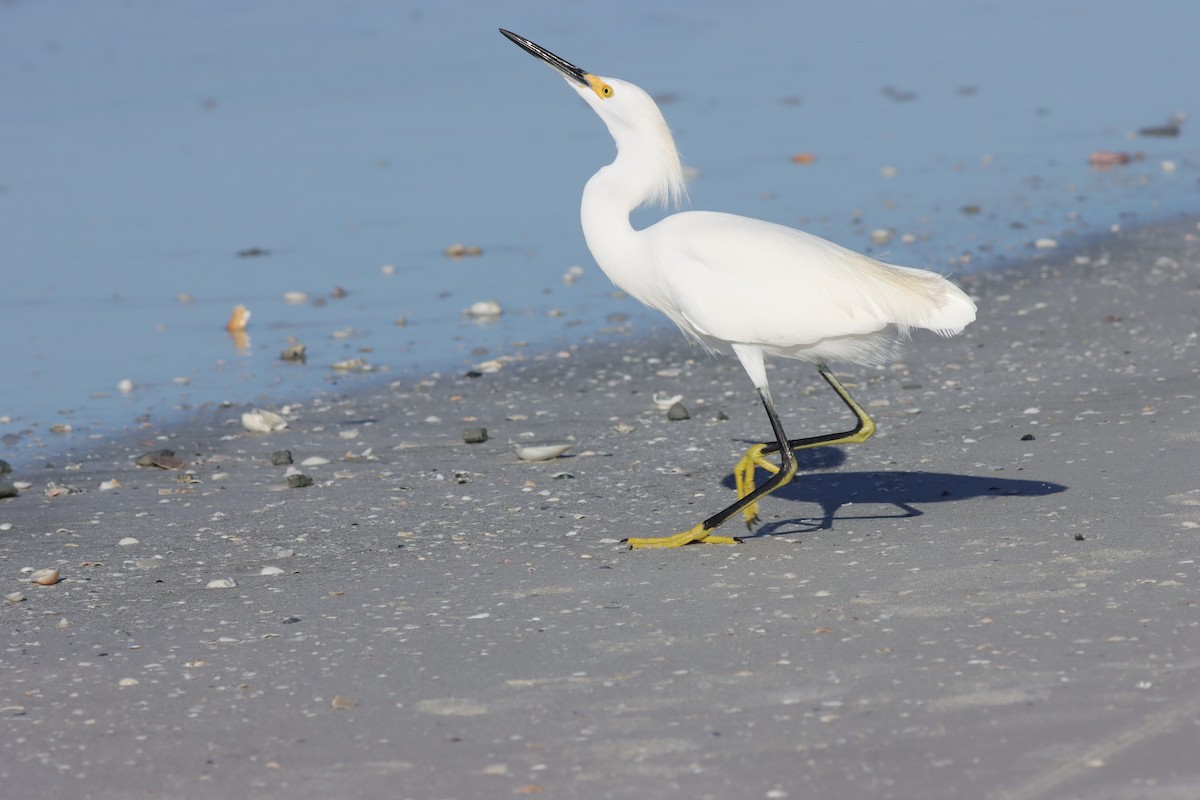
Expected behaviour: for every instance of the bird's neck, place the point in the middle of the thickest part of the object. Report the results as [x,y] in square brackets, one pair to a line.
[608,198]
[604,213]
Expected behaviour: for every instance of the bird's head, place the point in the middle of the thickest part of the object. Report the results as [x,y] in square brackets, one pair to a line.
[584,82]
[633,118]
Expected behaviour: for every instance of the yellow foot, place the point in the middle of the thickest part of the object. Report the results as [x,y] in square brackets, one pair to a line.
[696,534]
[743,476]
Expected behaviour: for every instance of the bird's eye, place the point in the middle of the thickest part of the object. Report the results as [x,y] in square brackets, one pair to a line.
[602,89]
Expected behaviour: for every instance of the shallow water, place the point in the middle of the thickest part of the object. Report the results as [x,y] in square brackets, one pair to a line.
[144,145]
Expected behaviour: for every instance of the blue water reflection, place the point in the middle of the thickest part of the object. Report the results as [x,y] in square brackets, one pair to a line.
[144,145]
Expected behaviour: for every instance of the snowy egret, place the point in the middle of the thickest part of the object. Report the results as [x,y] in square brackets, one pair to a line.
[743,286]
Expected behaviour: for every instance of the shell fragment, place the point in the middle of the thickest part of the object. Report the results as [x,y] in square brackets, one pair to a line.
[540,452]
[262,421]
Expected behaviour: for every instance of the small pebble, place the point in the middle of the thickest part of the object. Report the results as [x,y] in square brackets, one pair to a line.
[14,597]
[8,489]
[299,480]
[109,485]
[1029,437]
[281,457]
[221,583]
[388,269]
[294,354]
[270,571]
[678,412]
[1045,243]
[475,435]
[314,461]
[127,682]
[61,427]
[127,541]
[125,386]
[5,467]
[1170,129]
[342,703]
[295,298]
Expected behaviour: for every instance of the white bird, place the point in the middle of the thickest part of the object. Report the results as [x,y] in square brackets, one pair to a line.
[743,286]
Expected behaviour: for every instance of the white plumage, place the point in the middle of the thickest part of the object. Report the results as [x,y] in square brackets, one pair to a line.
[726,280]
[738,285]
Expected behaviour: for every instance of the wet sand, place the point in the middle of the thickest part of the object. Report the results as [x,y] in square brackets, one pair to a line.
[995,597]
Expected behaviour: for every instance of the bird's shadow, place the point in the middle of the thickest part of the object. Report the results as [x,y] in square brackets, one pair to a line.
[832,491]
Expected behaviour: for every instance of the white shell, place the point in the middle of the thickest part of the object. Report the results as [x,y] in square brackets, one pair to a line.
[314,461]
[666,402]
[490,366]
[261,421]
[484,309]
[45,577]
[352,365]
[540,452]
[221,583]
[270,571]
[295,298]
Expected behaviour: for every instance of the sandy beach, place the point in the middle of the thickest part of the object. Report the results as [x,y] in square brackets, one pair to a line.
[996,597]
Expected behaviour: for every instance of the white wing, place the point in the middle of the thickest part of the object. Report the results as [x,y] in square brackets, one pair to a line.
[725,278]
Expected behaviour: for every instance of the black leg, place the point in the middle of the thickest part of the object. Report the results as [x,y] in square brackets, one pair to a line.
[701,533]
[787,468]
[748,493]
[754,458]
[863,429]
